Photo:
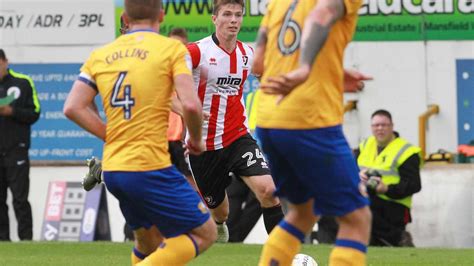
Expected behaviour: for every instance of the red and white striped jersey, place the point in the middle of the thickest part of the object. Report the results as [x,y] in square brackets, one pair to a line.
[219,77]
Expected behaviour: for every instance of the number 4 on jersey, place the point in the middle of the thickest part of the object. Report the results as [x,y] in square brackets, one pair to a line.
[127,102]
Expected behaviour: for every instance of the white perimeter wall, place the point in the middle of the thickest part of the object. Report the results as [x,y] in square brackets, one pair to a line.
[408,76]
[443,212]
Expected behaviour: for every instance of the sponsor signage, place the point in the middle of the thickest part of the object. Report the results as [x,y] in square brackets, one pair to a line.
[53,136]
[379,20]
[72,214]
[49,22]
[415,20]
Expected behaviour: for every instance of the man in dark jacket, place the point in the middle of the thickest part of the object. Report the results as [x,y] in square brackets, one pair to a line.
[19,109]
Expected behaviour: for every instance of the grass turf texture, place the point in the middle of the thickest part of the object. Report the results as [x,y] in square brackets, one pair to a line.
[107,253]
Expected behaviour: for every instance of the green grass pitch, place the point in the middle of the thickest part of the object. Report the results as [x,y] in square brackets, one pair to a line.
[107,253]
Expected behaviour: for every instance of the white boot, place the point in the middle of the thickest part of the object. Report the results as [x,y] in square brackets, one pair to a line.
[222,233]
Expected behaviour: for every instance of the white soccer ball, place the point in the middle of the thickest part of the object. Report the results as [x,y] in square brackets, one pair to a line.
[303,260]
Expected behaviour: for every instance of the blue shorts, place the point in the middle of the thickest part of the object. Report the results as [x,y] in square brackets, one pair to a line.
[314,164]
[163,198]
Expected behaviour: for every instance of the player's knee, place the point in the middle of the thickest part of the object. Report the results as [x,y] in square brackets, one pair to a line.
[147,240]
[363,217]
[265,193]
[304,220]
[146,245]
[206,235]
[360,218]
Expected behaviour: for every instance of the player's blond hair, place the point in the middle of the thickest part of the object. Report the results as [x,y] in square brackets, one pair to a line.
[218,3]
[142,9]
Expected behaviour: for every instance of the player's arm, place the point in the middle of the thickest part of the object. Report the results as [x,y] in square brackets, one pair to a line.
[192,111]
[315,33]
[354,80]
[176,106]
[78,108]
[258,67]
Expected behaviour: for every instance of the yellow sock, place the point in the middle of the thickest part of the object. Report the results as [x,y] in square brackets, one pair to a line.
[173,251]
[137,256]
[282,245]
[348,253]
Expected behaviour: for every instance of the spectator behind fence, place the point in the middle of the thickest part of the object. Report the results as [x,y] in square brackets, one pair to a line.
[19,109]
[390,166]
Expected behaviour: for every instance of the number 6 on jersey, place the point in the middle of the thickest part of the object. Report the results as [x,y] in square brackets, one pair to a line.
[127,102]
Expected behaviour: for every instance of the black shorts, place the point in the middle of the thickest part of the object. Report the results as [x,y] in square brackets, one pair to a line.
[212,168]
[176,151]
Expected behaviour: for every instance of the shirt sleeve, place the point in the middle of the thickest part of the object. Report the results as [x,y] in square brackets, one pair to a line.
[410,180]
[265,20]
[195,53]
[27,109]
[181,63]
[352,6]
[87,75]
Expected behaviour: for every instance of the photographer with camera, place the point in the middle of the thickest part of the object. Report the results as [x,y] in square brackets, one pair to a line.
[390,169]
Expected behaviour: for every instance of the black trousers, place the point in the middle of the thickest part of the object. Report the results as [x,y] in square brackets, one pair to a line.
[14,174]
[389,220]
[244,210]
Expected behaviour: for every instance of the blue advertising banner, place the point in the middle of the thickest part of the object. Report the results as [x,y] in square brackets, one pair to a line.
[465,84]
[54,137]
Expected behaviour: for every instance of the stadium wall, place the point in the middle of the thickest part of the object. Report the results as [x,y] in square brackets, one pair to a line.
[443,213]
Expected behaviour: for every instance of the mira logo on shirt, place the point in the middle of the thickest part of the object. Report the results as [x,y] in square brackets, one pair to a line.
[229,81]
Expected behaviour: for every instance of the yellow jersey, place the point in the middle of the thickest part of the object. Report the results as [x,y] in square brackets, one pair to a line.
[134,76]
[318,102]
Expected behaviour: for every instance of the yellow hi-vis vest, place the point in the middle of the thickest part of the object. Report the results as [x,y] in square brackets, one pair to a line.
[387,162]
[251,103]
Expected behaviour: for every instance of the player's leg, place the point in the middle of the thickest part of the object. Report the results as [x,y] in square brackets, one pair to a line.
[211,173]
[324,161]
[163,199]
[248,162]
[181,249]
[146,241]
[220,215]
[242,203]
[263,187]
[176,151]
[181,217]
[285,240]
[352,238]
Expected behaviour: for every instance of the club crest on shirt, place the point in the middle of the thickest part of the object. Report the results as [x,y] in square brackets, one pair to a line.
[245,59]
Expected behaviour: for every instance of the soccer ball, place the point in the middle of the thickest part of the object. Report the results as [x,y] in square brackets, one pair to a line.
[303,260]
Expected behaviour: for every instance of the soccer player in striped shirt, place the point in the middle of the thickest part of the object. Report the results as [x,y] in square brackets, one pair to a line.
[221,65]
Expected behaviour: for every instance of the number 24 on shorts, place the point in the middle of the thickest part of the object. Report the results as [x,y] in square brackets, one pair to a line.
[249,156]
